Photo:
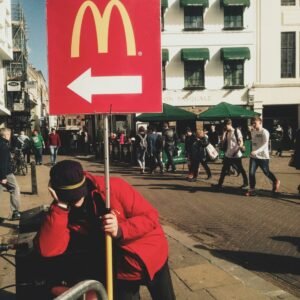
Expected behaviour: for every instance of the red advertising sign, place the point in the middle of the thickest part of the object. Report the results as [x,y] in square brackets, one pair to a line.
[104,56]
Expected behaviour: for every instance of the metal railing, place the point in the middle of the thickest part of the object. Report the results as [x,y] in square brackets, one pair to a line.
[82,288]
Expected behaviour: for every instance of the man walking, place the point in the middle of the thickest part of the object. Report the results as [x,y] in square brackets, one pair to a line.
[7,178]
[260,156]
[232,144]
[154,144]
[38,146]
[170,143]
[54,144]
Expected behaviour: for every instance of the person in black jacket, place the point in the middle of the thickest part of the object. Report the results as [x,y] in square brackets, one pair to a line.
[190,139]
[7,178]
[170,144]
[199,155]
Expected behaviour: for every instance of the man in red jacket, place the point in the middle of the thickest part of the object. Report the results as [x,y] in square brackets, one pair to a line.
[54,144]
[78,213]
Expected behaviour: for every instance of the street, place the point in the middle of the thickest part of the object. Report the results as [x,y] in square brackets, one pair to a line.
[261,234]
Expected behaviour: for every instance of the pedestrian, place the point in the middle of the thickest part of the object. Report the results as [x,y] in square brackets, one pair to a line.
[290,137]
[190,138]
[38,145]
[24,144]
[297,150]
[199,155]
[86,142]
[260,156]
[279,133]
[54,143]
[232,144]
[170,145]
[7,178]
[213,136]
[78,217]
[155,145]
[141,148]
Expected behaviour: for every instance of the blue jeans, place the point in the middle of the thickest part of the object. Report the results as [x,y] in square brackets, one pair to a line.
[38,155]
[264,165]
[53,154]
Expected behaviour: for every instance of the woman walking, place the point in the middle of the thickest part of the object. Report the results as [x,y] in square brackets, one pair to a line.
[38,145]
[141,147]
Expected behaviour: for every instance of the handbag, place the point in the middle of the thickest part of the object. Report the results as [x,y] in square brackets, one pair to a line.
[212,152]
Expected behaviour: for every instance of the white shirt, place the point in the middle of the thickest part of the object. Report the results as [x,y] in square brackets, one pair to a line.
[233,147]
[260,144]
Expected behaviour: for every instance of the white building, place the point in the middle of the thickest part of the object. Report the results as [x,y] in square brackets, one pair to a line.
[276,91]
[209,52]
[5,52]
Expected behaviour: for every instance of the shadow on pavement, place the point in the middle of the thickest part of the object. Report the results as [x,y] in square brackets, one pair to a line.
[259,262]
[5,295]
[289,239]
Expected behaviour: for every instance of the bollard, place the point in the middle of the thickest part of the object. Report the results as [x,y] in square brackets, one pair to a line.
[34,188]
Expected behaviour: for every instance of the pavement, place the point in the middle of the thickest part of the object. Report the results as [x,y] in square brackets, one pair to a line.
[198,272]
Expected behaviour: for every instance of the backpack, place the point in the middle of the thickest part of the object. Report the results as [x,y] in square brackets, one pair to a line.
[225,142]
[143,142]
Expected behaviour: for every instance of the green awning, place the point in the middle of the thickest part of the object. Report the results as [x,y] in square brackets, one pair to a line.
[165,55]
[164,3]
[203,3]
[235,3]
[195,54]
[241,53]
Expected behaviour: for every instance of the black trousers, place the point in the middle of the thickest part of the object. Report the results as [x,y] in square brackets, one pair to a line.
[160,287]
[170,154]
[155,161]
[237,162]
[195,167]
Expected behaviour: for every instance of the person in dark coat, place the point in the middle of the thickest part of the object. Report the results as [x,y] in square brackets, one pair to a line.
[154,145]
[199,155]
[297,150]
[7,178]
[190,139]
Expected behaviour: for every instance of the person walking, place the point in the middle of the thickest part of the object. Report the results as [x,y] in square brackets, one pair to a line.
[141,148]
[260,156]
[279,133]
[78,218]
[232,142]
[199,155]
[154,144]
[54,143]
[297,150]
[213,136]
[24,144]
[170,144]
[38,145]
[7,178]
[190,138]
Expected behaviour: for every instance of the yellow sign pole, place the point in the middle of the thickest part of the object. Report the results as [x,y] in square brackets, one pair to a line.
[108,238]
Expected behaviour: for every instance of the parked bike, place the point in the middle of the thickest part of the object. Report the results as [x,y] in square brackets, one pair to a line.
[19,164]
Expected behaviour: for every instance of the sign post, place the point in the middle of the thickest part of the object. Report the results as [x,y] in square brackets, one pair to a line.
[104,56]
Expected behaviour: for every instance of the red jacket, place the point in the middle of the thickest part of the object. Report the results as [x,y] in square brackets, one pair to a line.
[54,140]
[142,235]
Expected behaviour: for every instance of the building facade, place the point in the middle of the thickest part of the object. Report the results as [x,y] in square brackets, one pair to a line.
[276,90]
[209,52]
[6,53]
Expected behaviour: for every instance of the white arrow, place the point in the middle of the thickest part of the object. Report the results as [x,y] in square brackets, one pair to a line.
[86,86]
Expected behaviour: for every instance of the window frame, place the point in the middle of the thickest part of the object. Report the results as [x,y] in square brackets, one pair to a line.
[162,11]
[241,14]
[234,63]
[282,4]
[293,54]
[187,9]
[191,66]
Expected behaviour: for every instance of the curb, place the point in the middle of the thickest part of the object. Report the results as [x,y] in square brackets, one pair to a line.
[248,278]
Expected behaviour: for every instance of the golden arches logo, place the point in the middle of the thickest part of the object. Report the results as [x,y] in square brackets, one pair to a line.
[102,23]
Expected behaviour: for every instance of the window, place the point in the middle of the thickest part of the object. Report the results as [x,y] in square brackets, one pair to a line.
[163,18]
[234,73]
[193,18]
[288,55]
[288,2]
[194,74]
[164,86]
[233,17]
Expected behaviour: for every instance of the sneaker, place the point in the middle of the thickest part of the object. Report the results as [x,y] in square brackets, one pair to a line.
[276,186]
[250,193]
[15,216]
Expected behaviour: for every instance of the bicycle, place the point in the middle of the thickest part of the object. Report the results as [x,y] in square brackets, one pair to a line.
[18,163]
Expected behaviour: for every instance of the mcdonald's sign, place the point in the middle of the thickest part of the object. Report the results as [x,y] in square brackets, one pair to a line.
[104,56]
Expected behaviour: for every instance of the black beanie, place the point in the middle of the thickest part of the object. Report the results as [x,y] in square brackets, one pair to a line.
[68,180]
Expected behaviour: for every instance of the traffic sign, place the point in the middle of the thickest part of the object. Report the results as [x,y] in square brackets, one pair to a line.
[104,56]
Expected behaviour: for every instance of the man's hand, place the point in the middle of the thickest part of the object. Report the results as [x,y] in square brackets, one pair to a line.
[253,153]
[110,224]
[4,181]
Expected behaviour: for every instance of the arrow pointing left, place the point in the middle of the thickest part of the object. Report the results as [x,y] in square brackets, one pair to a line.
[86,86]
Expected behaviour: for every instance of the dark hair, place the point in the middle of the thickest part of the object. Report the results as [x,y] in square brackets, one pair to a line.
[188,129]
[142,129]
[227,122]
[257,118]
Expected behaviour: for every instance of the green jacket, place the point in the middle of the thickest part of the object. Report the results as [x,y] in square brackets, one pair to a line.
[37,141]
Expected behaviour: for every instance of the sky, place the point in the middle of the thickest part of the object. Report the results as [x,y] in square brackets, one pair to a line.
[35,14]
